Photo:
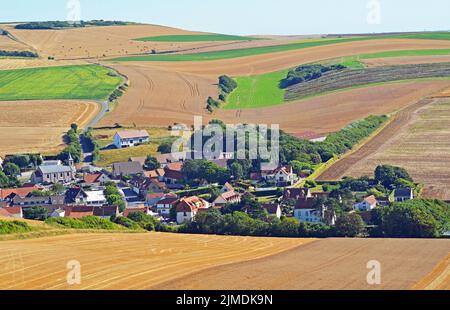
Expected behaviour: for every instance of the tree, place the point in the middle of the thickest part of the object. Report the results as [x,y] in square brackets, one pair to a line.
[20,160]
[58,188]
[287,227]
[74,127]
[11,169]
[389,176]
[151,163]
[415,219]
[4,180]
[350,225]
[165,147]
[35,213]
[237,171]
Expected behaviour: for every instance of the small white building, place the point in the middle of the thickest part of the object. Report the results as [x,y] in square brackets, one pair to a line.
[130,138]
[58,213]
[403,194]
[306,211]
[283,176]
[368,204]
[164,205]
[95,198]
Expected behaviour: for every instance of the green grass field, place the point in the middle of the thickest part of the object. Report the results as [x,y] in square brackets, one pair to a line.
[238,53]
[196,38]
[423,36]
[257,91]
[68,82]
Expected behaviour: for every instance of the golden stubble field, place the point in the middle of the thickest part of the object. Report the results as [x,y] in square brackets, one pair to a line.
[420,143]
[125,261]
[39,126]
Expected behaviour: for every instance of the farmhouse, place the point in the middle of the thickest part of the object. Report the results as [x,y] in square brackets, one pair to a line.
[142,185]
[368,204]
[130,138]
[173,174]
[7,194]
[152,199]
[188,207]
[283,176]
[95,179]
[54,172]
[403,194]
[36,200]
[307,211]
[77,212]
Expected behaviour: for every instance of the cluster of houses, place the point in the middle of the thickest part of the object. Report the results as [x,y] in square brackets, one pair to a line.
[157,192]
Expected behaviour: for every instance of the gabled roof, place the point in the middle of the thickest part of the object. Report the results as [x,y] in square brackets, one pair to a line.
[371,200]
[191,204]
[92,178]
[78,212]
[128,168]
[131,134]
[272,208]
[21,191]
[155,173]
[131,210]
[229,196]
[296,193]
[10,211]
[168,200]
[106,211]
[228,187]
[73,193]
[305,204]
[55,169]
[140,160]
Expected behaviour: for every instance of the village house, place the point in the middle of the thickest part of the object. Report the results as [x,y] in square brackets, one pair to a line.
[403,194]
[75,196]
[230,197]
[188,207]
[142,185]
[52,172]
[151,199]
[60,212]
[11,212]
[273,209]
[140,160]
[78,212]
[106,211]
[130,138]
[368,204]
[165,159]
[95,179]
[157,174]
[95,198]
[164,205]
[7,194]
[144,210]
[297,193]
[173,173]
[283,176]
[32,200]
[307,211]
[127,169]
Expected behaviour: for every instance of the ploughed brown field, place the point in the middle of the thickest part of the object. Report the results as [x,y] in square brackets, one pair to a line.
[336,264]
[39,126]
[125,261]
[417,139]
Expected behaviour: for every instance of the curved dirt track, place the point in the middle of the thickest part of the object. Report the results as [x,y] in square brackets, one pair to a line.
[38,126]
[125,261]
[265,63]
[336,264]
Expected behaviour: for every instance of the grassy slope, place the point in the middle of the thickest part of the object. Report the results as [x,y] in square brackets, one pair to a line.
[263,91]
[68,82]
[196,38]
[257,91]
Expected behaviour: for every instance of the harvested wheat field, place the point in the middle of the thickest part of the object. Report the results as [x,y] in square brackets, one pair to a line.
[336,264]
[408,60]
[38,126]
[260,64]
[106,41]
[160,98]
[417,139]
[8,44]
[125,261]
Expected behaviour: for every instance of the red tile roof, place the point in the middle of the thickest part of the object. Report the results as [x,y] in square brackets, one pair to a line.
[190,204]
[132,210]
[21,192]
[92,178]
[79,212]
[131,134]
[10,211]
